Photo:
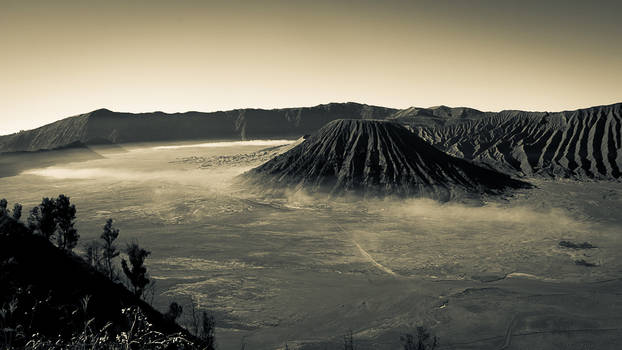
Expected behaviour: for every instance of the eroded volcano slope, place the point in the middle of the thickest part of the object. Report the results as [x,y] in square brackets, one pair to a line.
[580,144]
[375,158]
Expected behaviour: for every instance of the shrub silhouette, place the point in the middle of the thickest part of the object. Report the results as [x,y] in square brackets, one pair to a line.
[207,336]
[348,341]
[17,211]
[109,249]
[421,341]
[55,217]
[137,273]
[3,207]
[174,311]
[202,325]
[41,219]
[64,216]
[93,255]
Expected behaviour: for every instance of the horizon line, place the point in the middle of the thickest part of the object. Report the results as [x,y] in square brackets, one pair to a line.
[299,107]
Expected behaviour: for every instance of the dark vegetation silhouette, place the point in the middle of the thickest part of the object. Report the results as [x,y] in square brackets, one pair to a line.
[51,298]
[174,311]
[101,254]
[17,211]
[421,340]
[55,217]
[137,273]
[206,335]
[203,326]
[64,217]
[93,255]
[348,341]
[41,219]
[109,249]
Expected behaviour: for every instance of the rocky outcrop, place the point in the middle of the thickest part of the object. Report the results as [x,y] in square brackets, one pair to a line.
[581,144]
[375,158]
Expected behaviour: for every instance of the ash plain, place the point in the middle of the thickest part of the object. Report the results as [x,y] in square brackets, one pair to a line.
[304,270]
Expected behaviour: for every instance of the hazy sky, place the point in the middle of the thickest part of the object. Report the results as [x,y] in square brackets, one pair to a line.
[60,58]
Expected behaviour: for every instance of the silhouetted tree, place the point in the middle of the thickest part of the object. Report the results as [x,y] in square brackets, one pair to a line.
[137,274]
[41,219]
[34,220]
[348,341]
[55,217]
[174,311]
[207,332]
[195,318]
[17,211]
[64,216]
[422,341]
[109,249]
[93,255]
[3,205]
[149,292]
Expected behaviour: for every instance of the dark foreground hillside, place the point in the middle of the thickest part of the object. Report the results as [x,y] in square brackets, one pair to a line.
[376,158]
[53,293]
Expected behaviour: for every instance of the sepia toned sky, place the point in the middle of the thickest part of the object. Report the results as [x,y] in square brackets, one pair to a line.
[61,58]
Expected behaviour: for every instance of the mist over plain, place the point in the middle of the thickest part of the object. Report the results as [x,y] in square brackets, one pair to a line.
[237,251]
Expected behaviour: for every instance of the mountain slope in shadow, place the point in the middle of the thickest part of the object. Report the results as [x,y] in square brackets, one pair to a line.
[13,163]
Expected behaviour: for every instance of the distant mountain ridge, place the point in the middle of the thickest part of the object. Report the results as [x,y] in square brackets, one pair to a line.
[105,126]
[582,144]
